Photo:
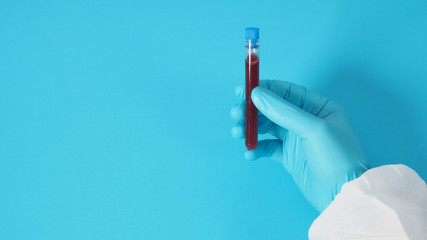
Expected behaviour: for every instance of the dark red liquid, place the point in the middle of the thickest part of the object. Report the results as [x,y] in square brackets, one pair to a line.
[251,112]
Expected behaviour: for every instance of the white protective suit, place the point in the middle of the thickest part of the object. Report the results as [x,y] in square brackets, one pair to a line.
[388,202]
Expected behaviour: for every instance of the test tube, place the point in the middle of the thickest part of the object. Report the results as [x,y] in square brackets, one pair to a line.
[252,81]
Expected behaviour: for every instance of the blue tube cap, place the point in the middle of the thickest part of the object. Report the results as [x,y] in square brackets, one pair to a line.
[252,33]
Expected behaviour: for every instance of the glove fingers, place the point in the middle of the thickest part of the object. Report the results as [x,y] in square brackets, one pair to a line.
[239,90]
[237,112]
[310,101]
[298,95]
[265,126]
[271,149]
[283,113]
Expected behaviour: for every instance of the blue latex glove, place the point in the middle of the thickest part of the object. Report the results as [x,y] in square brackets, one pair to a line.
[312,138]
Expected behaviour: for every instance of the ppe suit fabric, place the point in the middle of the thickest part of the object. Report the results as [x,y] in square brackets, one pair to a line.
[388,202]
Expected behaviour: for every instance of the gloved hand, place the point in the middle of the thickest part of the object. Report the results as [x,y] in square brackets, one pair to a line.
[312,138]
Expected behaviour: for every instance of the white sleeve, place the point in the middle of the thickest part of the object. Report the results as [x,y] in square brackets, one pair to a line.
[388,202]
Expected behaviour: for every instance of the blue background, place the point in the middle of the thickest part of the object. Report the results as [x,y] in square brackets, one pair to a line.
[114,115]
